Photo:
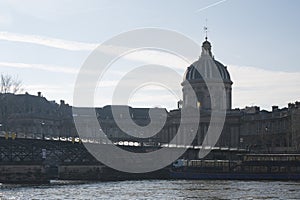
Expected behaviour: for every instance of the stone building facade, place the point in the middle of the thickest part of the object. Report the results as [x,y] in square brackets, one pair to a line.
[274,131]
[34,116]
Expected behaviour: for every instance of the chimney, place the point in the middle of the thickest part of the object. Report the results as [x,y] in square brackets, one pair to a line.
[291,105]
[39,94]
[274,108]
[257,109]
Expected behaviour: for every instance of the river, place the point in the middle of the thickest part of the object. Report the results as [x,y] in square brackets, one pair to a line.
[155,189]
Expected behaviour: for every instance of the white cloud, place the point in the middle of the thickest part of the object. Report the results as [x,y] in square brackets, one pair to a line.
[255,86]
[48,41]
[158,57]
[211,5]
[45,67]
[142,55]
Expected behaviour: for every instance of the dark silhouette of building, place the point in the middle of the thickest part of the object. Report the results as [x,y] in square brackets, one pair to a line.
[34,116]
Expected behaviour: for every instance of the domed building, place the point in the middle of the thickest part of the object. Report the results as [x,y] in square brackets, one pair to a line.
[205,72]
[245,130]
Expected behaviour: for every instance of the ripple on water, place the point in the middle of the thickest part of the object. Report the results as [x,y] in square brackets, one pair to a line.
[155,189]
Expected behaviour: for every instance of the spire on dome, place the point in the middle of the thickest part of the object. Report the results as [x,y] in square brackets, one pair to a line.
[206,44]
[206,29]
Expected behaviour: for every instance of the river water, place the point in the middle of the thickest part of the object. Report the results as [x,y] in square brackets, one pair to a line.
[155,189]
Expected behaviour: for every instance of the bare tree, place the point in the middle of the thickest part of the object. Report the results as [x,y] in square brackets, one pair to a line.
[10,84]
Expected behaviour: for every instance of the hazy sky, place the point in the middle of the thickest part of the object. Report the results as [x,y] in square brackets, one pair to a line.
[45,43]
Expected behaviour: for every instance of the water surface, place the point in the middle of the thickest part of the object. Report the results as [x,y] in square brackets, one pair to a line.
[155,189]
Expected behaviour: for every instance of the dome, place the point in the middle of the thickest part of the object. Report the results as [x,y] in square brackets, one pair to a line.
[207,65]
[206,76]
[193,74]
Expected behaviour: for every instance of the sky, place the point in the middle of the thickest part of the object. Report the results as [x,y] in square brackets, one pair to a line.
[45,43]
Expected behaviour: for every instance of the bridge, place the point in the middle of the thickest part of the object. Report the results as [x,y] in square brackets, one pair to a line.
[37,158]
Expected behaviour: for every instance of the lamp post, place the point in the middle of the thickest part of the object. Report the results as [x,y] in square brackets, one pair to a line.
[267,139]
[1,128]
[42,131]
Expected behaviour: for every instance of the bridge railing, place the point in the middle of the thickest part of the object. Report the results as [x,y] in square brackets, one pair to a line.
[115,141]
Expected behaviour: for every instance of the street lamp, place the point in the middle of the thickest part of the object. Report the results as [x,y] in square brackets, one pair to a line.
[1,128]
[42,125]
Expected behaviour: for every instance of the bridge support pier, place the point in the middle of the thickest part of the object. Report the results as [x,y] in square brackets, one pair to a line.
[101,172]
[81,172]
[23,174]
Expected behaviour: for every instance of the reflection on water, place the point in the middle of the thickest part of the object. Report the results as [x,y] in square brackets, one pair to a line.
[155,189]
